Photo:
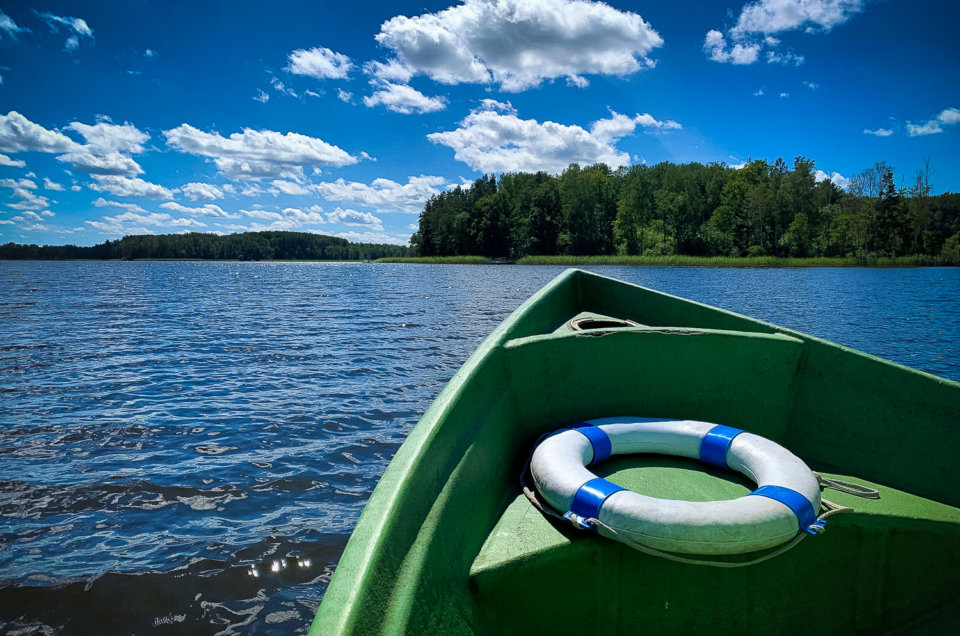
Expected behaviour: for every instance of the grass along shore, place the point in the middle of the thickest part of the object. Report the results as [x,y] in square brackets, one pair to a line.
[685,261]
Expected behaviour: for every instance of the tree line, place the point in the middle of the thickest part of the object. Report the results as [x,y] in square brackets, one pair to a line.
[247,246]
[760,209]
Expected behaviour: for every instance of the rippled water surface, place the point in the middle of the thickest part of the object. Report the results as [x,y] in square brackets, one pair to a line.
[185,447]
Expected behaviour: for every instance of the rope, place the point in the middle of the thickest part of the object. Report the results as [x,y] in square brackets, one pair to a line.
[611,533]
[847,487]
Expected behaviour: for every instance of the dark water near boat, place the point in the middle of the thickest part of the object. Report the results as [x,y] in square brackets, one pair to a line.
[185,447]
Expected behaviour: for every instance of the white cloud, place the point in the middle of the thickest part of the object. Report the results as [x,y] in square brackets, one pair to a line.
[201,191]
[949,116]
[518,43]
[19,134]
[287,187]
[784,94]
[262,214]
[811,85]
[353,217]
[129,187]
[8,26]
[374,237]
[22,190]
[313,93]
[261,96]
[777,16]
[344,96]
[934,126]
[11,163]
[321,63]
[129,207]
[208,209]
[835,178]
[493,138]
[647,121]
[879,132]
[52,185]
[15,184]
[149,53]
[77,26]
[931,127]
[759,20]
[715,46]
[404,99]
[384,194]
[256,154]
[110,163]
[311,216]
[281,88]
[105,151]
[390,71]
[787,58]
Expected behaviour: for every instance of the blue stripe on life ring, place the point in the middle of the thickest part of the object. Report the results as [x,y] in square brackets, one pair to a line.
[800,505]
[590,497]
[716,443]
[598,439]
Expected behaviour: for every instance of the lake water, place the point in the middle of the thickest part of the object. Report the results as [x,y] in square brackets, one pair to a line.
[185,447]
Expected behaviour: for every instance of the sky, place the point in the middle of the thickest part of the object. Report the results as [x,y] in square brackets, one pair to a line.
[155,117]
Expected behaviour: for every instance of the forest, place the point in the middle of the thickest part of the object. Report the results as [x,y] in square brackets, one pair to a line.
[247,246]
[759,209]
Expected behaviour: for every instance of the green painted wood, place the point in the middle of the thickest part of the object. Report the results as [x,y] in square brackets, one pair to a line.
[446,545]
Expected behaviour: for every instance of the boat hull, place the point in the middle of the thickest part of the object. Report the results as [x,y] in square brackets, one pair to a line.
[447,544]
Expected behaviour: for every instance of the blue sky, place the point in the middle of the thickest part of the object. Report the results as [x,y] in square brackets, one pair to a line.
[138,116]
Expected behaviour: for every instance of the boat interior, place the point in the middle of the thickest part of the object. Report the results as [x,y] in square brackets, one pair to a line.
[449,543]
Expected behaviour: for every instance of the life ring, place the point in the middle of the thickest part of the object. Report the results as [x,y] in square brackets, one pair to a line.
[785,503]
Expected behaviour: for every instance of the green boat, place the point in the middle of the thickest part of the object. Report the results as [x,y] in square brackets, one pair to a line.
[450,544]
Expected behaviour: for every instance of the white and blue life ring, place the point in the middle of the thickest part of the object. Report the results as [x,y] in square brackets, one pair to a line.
[785,503]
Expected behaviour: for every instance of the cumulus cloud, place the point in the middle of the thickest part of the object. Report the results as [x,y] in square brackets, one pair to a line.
[344,96]
[879,132]
[517,43]
[129,187]
[208,209]
[383,194]
[129,207]
[201,191]
[258,154]
[105,151]
[404,99]
[390,71]
[493,138]
[132,222]
[947,117]
[11,163]
[19,134]
[760,20]
[776,16]
[22,190]
[835,178]
[49,184]
[94,162]
[263,215]
[353,217]
[716,47]
[287,187]
[320,63]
